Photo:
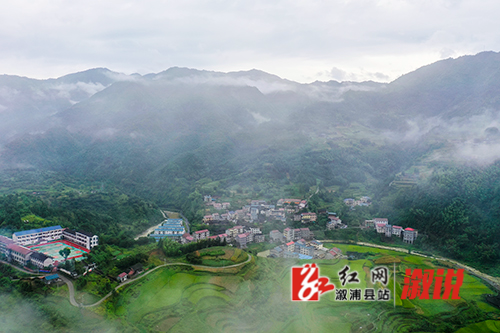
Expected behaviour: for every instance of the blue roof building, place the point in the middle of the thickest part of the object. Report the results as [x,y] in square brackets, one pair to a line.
[34,236]
[36,231]
[171,228]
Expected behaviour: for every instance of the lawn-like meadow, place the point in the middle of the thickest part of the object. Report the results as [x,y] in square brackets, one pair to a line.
[257,298]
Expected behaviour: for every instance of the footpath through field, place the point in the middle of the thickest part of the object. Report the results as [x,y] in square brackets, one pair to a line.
[493,281]
[75,303]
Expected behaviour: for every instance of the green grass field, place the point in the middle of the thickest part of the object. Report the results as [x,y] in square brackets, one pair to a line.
[258,299]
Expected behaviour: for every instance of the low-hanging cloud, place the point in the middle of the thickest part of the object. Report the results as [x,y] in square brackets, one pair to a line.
[470,140]
[66,89]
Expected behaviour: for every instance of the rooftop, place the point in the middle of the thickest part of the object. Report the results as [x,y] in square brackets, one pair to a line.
[6,240]
[40,256]
[34,231]
[19,249]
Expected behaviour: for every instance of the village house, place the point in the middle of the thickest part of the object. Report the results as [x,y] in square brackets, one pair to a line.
[259,238]
[370,223]
[302,248]
[308,217]
[136,270]
[207,219]
[282,202]
[186,238]
[122,277]
[223,237]
[334,253]
[380,228]
[288,234]
[316,244]
[349,202]
[49,279]
[275,236]
[409,235]
[381,220]
[226,205]
[242,240]
[388,230]
[235,231]
[277,252]
[305,233]
[290,246]
[201,234]
[296,234]
[396,230]
[290,255]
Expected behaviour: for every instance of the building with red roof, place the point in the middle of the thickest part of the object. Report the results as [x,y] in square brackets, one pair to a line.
[122,277]
[410,235]
[380,227]
[19,253]
[201,234]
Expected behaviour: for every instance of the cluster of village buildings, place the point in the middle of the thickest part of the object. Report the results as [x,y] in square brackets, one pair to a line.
[14,248]
[174,229]
[259,211]
[383,227]
[364,201]
[132,271]
[299,244]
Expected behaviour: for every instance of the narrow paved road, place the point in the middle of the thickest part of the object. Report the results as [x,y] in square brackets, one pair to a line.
[21,269]
[151,229]
[187,223]
[72,290]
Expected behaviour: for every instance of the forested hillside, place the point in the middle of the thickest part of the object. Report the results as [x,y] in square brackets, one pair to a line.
[157,140]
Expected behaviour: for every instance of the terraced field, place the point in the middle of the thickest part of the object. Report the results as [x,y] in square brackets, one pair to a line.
[256,298]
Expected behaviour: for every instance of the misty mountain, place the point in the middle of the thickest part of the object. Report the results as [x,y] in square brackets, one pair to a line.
[26,105]
[179,126]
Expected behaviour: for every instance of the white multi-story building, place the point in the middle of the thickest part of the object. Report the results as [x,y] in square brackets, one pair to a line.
[82,238]
[288,233]
[19,254]
[34,236]
[201,234]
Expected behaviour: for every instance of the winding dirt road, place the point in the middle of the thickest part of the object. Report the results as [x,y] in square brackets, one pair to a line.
[72,289]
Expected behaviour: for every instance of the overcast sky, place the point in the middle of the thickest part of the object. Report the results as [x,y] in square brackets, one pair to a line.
[298,40]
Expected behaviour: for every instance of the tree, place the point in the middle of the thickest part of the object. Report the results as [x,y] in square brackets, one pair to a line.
[65,252]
